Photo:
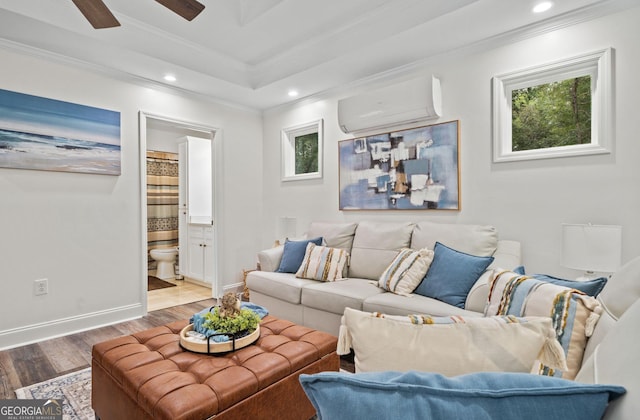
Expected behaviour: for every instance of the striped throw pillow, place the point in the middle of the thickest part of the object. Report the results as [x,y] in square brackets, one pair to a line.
[406,271]
[323,263]
[573,313]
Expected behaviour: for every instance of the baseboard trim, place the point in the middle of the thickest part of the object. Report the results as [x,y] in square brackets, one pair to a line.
[47,330]
[235,287]
[195,281]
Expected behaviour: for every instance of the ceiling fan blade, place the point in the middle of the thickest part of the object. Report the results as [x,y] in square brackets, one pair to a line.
[188,9]
[97,13]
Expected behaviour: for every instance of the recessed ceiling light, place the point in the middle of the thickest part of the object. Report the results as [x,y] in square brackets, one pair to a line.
[293,93]
[169,77]
[542,7]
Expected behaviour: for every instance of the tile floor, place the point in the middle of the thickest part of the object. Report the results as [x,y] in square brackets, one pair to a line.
[184,292]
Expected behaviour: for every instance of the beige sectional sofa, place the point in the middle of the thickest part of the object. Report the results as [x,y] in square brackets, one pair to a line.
[611,353]
[372,247]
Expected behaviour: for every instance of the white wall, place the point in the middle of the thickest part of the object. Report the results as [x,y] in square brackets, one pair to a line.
[83,232]
[526,201]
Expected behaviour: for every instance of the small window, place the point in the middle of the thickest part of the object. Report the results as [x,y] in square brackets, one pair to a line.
[302,152]
[556,110]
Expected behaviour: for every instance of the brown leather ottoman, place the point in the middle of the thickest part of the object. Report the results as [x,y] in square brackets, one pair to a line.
[148,375]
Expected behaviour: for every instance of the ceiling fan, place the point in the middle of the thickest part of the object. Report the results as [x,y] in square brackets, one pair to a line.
[99,15]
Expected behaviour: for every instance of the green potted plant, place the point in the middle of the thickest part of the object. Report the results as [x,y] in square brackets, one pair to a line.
[230,319]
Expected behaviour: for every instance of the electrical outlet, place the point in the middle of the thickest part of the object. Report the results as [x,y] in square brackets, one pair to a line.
[41,287]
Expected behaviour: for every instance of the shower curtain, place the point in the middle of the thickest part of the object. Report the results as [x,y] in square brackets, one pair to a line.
[162,201]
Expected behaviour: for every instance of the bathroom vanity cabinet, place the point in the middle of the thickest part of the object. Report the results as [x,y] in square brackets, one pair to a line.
[200,253]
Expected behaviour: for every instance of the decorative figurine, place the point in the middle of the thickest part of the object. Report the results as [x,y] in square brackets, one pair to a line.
[230,306]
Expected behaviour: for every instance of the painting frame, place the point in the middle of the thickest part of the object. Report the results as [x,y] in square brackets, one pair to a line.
[38,133]
[410,169]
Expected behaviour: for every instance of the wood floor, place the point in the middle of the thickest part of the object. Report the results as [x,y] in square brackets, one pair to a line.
[27,365]
[35,363]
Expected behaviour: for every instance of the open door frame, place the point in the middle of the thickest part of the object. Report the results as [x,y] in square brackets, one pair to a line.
[215,135]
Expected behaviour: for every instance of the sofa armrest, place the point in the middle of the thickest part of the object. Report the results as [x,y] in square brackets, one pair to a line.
[269,259]
[479,293]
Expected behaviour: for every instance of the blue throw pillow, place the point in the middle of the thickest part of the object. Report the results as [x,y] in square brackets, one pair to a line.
[451,275]
[519,270]
[591,287]
[293,254]
[485,395]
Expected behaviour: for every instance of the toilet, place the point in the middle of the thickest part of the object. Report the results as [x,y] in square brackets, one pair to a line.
[166,258]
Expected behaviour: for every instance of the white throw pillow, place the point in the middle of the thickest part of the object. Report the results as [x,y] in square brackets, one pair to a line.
[448,345]
[406,271]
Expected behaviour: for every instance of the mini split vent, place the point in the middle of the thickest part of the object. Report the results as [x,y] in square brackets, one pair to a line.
[407,102]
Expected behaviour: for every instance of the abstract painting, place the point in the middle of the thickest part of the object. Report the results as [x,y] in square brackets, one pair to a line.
[415,169]
[51,135]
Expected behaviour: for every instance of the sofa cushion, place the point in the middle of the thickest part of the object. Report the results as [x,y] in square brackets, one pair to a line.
[336,235]
[592,287]
[406,271]
[447,345]
[451,275]
[392,304]
[375,245]
[293,254]
[335,296]
[574,314]
[472,239]
[486,395]
[283,286]
[323,263]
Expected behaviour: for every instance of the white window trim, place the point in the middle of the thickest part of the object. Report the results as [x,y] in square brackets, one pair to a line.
[597,64]
[289,150]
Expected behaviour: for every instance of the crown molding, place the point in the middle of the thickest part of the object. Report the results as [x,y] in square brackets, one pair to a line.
[119,75]
[556,23]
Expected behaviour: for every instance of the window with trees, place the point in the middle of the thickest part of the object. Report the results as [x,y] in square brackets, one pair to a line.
[555,110]
[302,151]
[306,151]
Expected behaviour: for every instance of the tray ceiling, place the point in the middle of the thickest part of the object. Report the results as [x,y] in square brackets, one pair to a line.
[251,52]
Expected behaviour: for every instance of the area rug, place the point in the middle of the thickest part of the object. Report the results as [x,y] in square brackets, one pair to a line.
[74,389]
[155,283]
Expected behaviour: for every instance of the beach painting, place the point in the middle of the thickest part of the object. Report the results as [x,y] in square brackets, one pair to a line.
[51,135]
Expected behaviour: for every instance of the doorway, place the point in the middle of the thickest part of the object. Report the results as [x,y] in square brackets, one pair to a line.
[164,134]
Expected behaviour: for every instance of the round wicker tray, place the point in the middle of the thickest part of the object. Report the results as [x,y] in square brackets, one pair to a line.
[209,347]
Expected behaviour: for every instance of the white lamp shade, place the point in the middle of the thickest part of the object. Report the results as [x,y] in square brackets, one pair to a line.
[595,248]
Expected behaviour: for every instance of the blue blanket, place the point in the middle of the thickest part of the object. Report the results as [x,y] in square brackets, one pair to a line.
[198,320]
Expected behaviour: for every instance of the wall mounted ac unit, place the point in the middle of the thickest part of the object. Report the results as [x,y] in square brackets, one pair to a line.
[401,103]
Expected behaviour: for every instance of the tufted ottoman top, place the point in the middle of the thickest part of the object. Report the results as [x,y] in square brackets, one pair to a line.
[168,382]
